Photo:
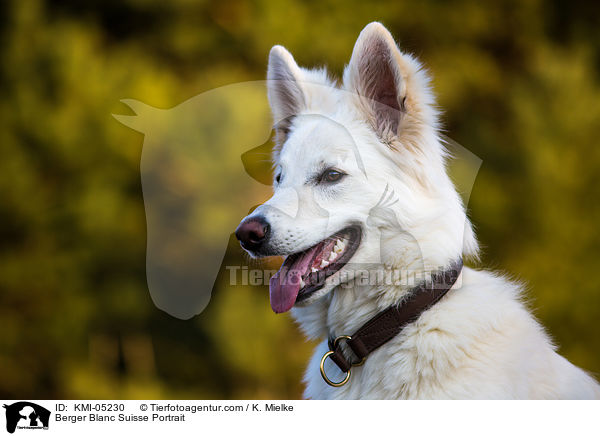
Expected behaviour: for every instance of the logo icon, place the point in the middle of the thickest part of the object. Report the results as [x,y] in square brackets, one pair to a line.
[26,415]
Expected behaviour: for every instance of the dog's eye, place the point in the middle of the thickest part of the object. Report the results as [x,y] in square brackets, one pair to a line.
[332,176]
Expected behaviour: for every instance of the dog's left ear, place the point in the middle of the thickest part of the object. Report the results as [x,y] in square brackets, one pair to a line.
[284,87]
[392,87]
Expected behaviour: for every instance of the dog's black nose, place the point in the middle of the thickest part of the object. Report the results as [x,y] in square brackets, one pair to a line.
[253,232]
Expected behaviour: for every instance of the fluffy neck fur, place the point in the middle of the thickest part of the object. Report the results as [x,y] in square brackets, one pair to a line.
[350,305]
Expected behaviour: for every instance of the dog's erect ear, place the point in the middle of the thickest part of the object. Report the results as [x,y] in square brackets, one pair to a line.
[392,87]
[284,87]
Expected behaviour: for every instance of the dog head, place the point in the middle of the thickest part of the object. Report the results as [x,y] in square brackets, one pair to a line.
[360,174]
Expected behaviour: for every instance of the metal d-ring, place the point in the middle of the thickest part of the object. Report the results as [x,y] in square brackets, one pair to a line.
[327,379]
[329,353]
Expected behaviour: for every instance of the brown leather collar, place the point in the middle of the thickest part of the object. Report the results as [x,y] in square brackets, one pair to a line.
[389,323]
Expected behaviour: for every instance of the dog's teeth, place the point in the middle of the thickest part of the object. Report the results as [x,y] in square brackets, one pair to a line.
[332,256]
[338,249]
[302,284]
[313,269]
[324,263]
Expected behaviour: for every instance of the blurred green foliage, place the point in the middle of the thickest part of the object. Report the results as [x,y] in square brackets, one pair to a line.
[518,81]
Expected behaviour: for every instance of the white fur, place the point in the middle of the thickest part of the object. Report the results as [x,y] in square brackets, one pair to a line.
[479,341]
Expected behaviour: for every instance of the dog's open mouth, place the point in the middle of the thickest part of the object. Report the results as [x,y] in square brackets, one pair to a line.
[304,273]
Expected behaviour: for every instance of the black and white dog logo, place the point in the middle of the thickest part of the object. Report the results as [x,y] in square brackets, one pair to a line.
[26,415]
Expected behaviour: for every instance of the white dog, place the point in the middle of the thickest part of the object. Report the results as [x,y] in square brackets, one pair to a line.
[360,176]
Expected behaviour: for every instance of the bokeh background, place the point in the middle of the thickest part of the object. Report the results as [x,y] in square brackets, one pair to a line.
[519,83]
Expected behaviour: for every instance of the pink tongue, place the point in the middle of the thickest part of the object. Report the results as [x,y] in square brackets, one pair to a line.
[285,284]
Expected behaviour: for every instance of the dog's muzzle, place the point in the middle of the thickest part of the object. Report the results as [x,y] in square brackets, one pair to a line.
[253,233]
